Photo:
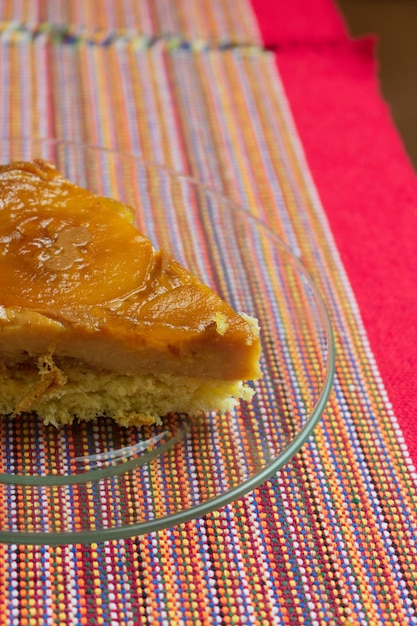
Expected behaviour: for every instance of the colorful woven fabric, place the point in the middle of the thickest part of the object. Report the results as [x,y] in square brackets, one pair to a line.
[331,538]
[101,21]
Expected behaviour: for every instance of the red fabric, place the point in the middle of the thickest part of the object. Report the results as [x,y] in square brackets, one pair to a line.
[298,20]
[368,189]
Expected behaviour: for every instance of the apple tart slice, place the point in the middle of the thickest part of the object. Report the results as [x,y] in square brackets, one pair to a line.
[94,320]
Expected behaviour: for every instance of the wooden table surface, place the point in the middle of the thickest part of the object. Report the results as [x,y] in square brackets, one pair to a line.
[395,24]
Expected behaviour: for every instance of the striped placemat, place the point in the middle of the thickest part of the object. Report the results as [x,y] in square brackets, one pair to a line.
[330,539]
[199,22]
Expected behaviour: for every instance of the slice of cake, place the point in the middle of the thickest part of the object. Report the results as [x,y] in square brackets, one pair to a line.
[95,321]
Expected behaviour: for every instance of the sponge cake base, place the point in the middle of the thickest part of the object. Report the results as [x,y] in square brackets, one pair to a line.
[60,391]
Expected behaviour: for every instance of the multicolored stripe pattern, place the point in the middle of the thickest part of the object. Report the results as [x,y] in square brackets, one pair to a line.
[197,22]
[331,538]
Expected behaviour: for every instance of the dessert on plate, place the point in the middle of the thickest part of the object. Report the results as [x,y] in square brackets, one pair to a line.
[94,321]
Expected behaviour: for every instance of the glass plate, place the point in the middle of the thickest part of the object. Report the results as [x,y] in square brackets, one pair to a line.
[95,481]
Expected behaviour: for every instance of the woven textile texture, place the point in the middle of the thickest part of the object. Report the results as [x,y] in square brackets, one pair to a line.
[330,539]
[101,21]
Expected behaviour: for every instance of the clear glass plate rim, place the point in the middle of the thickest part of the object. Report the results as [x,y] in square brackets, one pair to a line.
[237,492]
